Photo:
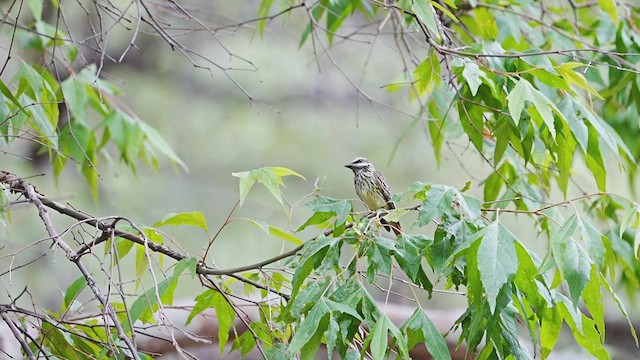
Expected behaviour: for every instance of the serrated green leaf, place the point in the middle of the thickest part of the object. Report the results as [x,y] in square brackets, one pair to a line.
[550,326]
[436,204]
[595,242]
[195,218]
[594,300]
[499,261]
[573,263]
[325,208]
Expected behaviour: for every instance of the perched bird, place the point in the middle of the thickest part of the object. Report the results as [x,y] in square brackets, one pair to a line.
[372,189]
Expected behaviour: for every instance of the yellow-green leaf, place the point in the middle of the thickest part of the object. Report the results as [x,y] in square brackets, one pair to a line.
[271,177]
[572,77]
[609,6]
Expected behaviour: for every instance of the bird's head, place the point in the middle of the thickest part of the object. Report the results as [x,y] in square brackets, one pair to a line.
[360,164]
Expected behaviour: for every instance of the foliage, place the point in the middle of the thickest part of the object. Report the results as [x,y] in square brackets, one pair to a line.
[534,91]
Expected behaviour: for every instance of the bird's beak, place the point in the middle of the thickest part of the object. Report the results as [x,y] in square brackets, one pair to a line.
[349,165]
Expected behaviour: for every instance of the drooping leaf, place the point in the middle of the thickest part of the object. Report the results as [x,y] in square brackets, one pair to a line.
[573,262]
[419,328]
[427,15]
[498,261]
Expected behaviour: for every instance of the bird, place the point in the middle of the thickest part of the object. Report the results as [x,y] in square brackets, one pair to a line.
[372,188]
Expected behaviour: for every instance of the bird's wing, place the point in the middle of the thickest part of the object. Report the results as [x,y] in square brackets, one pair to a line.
[386,192]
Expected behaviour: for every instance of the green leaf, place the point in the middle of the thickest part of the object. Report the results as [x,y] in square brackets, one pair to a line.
[609,6]
[224,313]
[524,91]
[36,8]
[427,15]
[263,12]
[472,74]
[572,77]
[76,97]
[573,262]
[147,303]
[419,328]
[378,339]
[550,326]
[594,300]
[427,74]
[309,326]
[245,343]
[516,98]
[195,218]
[325,208]
[189,263]
[226,316]
[497,260]
[595,242]
[436,204]
[487,23]
[306,297]
[154,138]
[342,309]
[72,291]
[277,232]
[271,177]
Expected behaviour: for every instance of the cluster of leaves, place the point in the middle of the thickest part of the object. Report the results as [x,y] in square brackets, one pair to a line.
[31,105]
[506,282]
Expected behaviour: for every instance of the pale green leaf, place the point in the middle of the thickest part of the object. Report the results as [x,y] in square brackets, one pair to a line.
[572,77]
[516,99]
[427,15]
[609,6]
[76,97]
[270,177]
[195,218]
[472,74]
[154,138]
[277,232]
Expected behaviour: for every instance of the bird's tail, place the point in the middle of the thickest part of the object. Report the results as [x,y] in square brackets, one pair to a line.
[392,226]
